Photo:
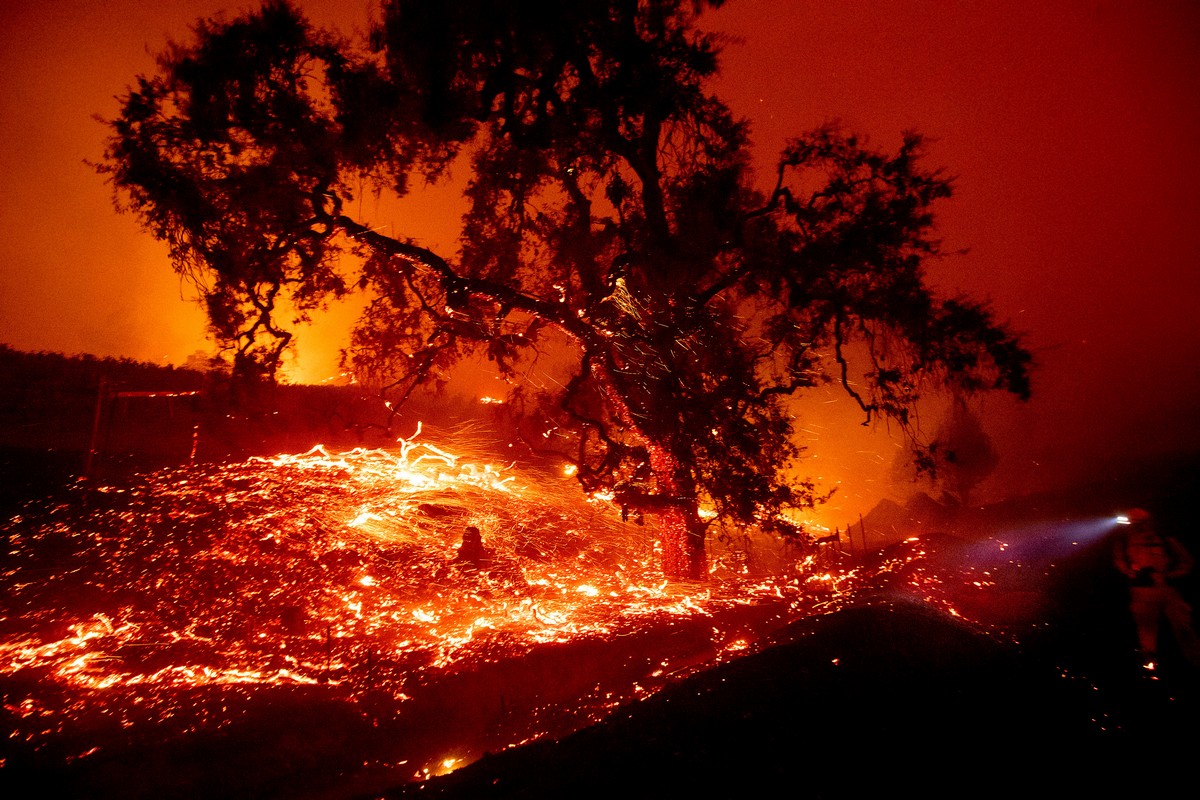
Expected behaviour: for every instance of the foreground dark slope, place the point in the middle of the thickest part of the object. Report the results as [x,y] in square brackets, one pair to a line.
[894,696]
[888,696]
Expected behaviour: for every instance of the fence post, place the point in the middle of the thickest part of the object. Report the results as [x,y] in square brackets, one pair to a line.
[94,443]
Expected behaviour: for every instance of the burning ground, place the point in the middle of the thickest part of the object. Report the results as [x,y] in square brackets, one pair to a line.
[298,626]
[302,618]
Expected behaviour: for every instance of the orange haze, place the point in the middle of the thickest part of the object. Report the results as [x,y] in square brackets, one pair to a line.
[1070,126]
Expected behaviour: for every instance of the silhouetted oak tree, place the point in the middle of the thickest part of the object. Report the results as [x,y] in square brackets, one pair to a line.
[609,208]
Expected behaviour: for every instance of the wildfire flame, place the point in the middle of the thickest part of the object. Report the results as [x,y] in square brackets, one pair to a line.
[339,571]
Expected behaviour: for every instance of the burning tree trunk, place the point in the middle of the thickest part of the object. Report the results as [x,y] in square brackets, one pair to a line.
[683,555]
[682,530]
[674,550]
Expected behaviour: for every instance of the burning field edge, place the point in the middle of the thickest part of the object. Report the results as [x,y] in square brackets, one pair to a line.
[303,626]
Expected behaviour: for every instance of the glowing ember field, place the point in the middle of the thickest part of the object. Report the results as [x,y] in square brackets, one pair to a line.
[321,590]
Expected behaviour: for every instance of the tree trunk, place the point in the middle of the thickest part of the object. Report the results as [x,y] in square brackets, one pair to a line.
[682,530]
[683,556]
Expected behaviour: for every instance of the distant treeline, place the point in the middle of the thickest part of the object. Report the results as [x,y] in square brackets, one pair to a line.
[56,409]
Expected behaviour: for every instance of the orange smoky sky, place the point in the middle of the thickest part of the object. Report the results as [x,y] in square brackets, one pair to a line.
[1071,127]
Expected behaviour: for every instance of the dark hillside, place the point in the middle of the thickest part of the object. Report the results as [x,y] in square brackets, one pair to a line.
[52,414]
[889,698]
